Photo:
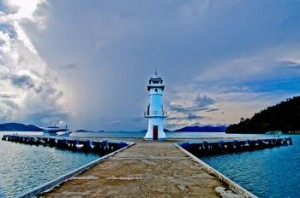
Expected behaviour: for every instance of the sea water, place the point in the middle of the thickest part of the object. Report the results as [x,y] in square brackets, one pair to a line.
[23,167]
[273,172]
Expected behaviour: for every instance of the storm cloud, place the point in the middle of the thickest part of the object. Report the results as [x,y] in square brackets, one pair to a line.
[22,81]
[28,91]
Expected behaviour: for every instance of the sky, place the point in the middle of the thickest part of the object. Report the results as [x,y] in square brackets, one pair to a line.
[87,63]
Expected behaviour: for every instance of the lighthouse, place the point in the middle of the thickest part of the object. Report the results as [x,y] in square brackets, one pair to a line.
[155,112]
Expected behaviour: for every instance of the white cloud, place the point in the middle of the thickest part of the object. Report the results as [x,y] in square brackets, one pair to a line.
[28,93]
[24,9]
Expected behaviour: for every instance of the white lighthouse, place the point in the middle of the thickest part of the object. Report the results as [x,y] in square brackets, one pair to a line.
[155,111]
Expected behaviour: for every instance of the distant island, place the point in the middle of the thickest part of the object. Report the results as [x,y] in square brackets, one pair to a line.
[19,127]
[208,128]
[283,117]
[82,130]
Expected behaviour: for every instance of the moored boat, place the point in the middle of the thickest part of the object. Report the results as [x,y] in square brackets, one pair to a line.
[55,130]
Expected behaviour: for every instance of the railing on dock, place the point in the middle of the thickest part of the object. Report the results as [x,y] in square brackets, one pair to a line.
[206,148]
[99,147]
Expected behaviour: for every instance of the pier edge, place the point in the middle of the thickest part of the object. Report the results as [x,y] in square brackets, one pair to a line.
[55,182]
[233,186]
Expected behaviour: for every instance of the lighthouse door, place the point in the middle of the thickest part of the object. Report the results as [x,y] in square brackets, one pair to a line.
[155,132]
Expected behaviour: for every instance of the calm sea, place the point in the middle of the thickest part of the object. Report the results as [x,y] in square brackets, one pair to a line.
[271,172]
[23,167]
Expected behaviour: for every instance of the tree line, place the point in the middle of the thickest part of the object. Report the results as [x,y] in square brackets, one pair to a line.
[284,117]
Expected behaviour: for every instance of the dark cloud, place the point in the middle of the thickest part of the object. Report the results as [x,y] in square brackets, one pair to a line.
[291,64]
[203,101]
[177,108]
[191,116]
[191,113]
[47,117]
[46,88]
[22,81]
[185,109]
[7,28]
[172,118]
[211,110]
[200,103]
[175,126]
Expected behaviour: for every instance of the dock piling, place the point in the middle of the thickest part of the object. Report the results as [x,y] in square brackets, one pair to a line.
[205,148]
[102,148]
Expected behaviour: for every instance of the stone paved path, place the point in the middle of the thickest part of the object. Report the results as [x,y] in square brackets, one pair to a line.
[147,169]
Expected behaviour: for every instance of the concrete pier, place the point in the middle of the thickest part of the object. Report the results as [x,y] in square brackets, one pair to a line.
[147,169]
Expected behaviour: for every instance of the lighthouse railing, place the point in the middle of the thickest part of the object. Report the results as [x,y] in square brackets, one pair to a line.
[155,113]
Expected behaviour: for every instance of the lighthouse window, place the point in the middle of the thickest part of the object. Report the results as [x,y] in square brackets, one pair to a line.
[155,90]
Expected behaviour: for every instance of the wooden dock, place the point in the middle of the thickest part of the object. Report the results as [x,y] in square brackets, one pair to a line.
[147,169]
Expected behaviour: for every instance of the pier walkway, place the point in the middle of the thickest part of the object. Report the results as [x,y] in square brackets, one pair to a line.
[147,169]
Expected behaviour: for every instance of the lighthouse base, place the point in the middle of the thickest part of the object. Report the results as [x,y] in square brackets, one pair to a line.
[155,130]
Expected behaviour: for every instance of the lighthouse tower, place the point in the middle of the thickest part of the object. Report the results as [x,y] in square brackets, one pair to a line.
[155,111]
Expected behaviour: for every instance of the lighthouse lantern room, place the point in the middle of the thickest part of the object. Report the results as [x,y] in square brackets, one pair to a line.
[155,111]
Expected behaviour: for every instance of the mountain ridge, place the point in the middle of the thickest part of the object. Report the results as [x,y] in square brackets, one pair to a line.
[12,126]
[206,128]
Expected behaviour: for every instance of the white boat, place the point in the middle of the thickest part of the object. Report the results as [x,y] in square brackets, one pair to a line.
[54,130]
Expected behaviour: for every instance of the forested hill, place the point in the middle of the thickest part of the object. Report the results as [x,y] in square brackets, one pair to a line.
[284,117]
[18,127]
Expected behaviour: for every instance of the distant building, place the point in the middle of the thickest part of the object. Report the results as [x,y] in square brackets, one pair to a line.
[155,111]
